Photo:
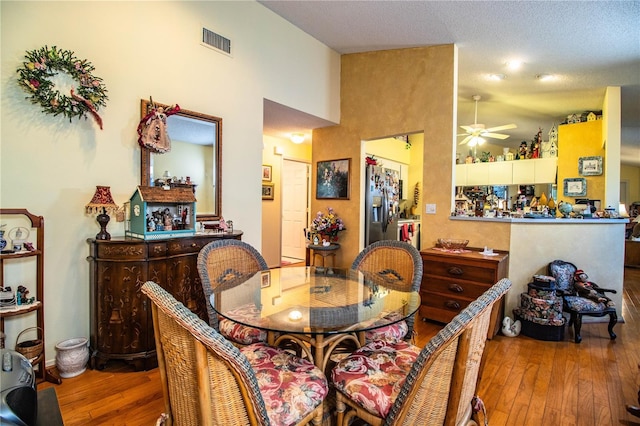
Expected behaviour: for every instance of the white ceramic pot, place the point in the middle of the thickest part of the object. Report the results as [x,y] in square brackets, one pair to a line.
[72,357]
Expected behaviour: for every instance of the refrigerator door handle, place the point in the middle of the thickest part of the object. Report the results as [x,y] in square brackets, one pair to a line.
[385,210]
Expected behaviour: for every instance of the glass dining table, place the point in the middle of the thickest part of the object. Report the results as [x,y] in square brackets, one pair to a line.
[316,308]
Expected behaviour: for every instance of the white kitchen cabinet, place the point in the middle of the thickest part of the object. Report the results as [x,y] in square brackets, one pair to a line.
[546,170]
[478,174]
[500,173]
[517,172]
[523,172]
[461,174]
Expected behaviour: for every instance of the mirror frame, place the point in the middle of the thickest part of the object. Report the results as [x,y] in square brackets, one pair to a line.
[145,157]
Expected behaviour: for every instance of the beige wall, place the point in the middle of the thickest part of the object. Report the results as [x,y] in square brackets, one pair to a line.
[51,166]
[388,93]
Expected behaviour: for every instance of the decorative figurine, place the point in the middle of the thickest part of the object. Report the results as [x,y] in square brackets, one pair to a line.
[588,289]
[522,151]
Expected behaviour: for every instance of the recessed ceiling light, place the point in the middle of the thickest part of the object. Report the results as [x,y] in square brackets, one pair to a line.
[297,137]
[497,77]
[545,77]
[514,65]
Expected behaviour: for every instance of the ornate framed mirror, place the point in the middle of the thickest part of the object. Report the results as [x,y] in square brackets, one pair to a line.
[195,158]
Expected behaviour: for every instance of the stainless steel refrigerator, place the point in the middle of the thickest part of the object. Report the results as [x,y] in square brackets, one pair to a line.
[382,201]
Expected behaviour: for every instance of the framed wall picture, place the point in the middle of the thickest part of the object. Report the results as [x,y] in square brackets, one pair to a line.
[590,166]
[266,172]
[575,187]
[267,191]
[332,179]
[265,279]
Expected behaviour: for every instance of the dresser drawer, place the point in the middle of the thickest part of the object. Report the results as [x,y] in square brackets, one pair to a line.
[441,307]
[461,271]
[128,251]
[452,287]
[157,249]
[186,245]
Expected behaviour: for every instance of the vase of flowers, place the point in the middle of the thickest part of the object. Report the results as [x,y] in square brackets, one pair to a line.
[326,226]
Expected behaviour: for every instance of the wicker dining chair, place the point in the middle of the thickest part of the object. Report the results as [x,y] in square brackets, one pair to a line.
[400,384]
[208,381]
[394,264]
[221,263]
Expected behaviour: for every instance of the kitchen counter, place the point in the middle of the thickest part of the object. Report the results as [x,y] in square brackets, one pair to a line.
[556,221]
[595,245]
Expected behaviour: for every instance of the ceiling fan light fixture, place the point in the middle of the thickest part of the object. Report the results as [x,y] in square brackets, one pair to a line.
[477,140]
[297,138]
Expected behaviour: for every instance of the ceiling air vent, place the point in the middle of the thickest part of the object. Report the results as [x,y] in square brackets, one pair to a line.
[216,41]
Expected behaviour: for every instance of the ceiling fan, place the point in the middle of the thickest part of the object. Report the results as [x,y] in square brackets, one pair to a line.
[476,132]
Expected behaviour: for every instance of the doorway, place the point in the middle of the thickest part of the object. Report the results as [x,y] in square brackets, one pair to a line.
[295,210]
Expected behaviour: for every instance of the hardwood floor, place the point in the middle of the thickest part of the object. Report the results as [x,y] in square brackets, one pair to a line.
[525,381]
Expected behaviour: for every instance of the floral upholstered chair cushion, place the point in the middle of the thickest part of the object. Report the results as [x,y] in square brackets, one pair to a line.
[373,375]
[239,333]
[582,304]
[394,332]
[291,386]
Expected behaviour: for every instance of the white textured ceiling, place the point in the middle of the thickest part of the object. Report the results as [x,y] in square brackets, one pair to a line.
[589,44]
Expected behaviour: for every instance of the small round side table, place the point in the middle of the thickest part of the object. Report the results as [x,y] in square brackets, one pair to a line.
[324,252]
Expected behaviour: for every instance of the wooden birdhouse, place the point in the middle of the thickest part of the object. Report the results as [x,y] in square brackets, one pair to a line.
[156,212]
[573,118]
[591,116]
[553,134]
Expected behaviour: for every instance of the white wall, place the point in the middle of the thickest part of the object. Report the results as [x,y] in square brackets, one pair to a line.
[142,49]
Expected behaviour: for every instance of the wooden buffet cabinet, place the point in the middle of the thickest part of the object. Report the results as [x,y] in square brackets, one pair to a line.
[121,323]
[450,281]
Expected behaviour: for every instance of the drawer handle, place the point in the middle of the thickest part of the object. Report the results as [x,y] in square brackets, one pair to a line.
[452,304]
[455,270]
[456,288]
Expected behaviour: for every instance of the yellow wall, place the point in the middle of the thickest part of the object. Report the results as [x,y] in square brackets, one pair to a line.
[575,141]
[631,175]
[427,76]
[391,149]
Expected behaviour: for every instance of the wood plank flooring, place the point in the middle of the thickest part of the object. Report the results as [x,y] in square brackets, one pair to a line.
[525,381]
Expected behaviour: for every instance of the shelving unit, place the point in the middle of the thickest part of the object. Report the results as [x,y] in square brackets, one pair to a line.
[37,225]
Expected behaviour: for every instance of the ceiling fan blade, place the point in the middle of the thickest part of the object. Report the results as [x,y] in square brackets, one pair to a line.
[465,140]
[469,129]
[494,135]
[505,127]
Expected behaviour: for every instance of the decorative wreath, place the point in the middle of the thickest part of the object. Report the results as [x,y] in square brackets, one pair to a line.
[43,64]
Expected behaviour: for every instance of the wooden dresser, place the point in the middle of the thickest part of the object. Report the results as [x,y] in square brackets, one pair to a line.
[451,281]
[121,322]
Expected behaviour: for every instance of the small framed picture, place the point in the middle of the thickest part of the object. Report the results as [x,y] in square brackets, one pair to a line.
[267,191]
[590,166]
[575,187]
[266,172]
[265,279]
[332,179]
